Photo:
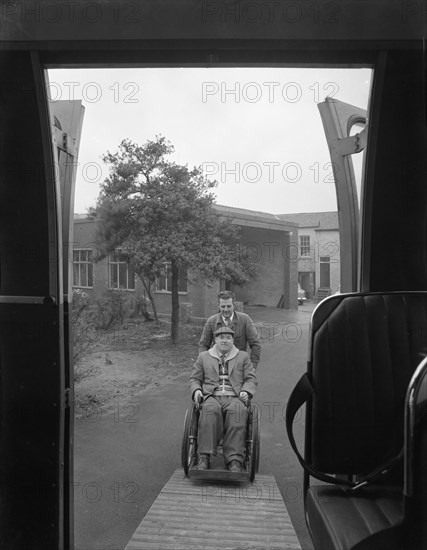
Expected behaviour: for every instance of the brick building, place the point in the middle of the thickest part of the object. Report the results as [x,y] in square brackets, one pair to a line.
[272,241]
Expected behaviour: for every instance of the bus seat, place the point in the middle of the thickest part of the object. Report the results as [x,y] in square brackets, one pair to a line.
[339,519]
[364,349]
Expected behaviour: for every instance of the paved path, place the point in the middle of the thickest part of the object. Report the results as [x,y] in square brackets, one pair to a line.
[124,457]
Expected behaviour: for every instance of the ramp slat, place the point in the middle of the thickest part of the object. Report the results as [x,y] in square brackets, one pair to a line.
[190,513]
[216,522]
[147,545]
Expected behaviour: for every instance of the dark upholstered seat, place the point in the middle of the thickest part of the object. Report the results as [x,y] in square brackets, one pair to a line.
[341,520]
[364,349]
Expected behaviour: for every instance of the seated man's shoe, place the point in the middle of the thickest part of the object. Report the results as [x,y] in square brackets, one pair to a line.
[235,466]
[204,462]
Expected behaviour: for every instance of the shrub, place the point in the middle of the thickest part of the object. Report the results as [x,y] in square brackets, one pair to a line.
[111,307]
[84,332]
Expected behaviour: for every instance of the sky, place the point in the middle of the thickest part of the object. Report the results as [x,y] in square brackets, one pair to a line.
[256,131]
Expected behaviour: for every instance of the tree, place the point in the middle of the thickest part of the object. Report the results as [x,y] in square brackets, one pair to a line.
[161,215]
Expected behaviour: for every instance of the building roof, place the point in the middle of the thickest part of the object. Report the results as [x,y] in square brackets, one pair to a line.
[82,218]
[244,212]
[253,216]
[240,215]
[316,220]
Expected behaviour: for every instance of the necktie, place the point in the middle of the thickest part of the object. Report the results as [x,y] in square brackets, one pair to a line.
[222,370]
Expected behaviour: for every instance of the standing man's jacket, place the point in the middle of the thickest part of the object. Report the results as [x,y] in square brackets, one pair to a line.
[245,334]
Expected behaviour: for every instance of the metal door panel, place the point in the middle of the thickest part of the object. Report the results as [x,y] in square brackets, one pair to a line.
[32,398]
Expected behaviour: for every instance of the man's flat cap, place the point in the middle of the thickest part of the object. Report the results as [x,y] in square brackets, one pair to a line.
[224,330]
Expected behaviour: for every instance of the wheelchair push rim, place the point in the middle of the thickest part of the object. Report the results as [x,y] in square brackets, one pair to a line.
[253,444]
[189,439]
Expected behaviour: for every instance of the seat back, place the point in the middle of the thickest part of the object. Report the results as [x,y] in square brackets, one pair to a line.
[364,349]
[415,458]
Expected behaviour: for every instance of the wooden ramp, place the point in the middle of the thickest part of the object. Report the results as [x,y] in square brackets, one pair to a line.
[194,514]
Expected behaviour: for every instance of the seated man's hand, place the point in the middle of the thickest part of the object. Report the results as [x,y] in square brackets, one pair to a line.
[198,396]
[244,396]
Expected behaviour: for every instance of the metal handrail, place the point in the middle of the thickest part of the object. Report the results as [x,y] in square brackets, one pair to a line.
[411,402]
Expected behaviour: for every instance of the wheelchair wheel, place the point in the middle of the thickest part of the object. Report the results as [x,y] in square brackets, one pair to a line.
[189,438]
[253,443]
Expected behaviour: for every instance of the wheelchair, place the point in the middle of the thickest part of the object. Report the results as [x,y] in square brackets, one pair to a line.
[189,453]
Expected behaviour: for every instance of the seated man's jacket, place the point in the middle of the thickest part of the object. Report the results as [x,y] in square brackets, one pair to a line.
[205,375]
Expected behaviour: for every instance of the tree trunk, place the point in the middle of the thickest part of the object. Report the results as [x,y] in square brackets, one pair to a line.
[175,303]
[150,297]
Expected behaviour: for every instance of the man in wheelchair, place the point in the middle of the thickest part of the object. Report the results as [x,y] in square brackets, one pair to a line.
[225,380]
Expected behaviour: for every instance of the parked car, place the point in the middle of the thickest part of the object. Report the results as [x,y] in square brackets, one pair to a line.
[301,295]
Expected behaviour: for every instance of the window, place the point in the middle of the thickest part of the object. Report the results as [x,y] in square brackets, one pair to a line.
[83,268]
[121,275]
[164,282]
[304,242]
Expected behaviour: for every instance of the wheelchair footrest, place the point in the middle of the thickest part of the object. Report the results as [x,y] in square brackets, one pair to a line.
[217,474]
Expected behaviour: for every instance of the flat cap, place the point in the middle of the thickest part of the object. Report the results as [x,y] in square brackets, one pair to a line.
[224,330]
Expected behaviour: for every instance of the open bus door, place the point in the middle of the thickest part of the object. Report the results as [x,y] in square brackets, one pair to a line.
[338,119]
[67,121]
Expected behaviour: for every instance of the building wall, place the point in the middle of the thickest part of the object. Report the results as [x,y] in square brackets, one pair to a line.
[292,271]
[84,237]
[278,274]
[274,250]
[328,245]
[202,297]
[307,264]
[323,243]
[207,304]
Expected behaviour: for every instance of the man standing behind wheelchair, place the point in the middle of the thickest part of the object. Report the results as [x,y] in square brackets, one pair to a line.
[245,331]
[225,380]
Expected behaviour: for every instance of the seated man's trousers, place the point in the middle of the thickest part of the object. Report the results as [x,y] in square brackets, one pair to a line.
[223,416]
